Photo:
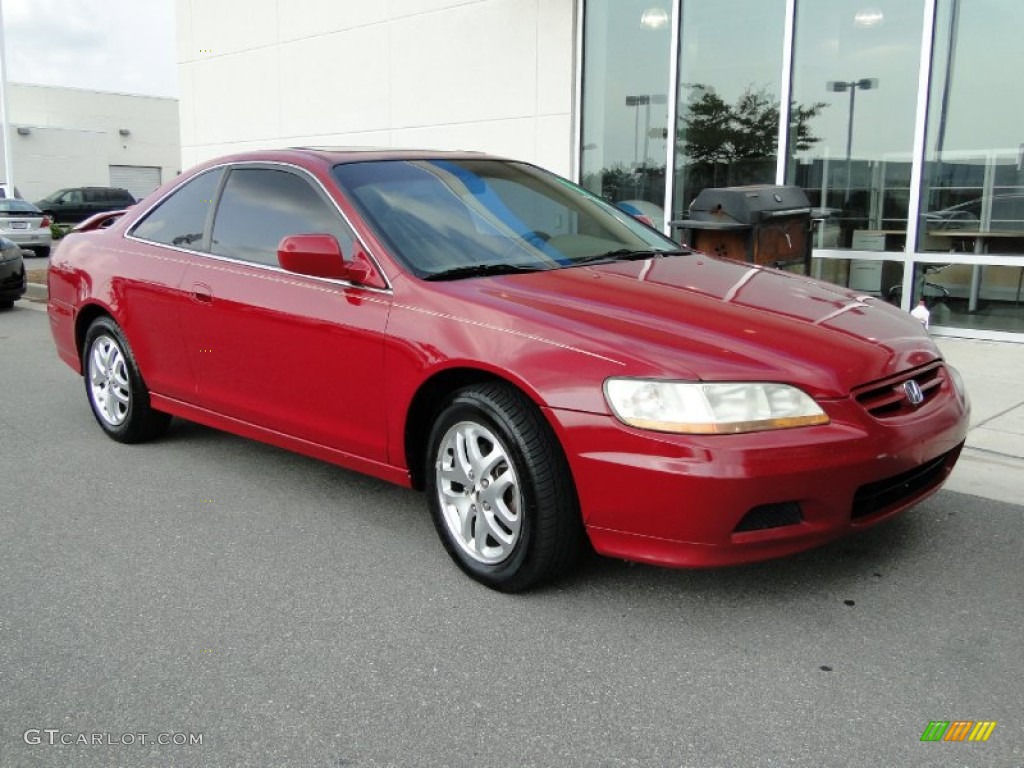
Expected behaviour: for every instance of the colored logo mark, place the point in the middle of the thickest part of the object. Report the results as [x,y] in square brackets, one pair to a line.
[958,730]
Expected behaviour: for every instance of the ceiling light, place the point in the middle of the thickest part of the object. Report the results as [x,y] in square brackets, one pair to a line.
[654,18]
[868,17]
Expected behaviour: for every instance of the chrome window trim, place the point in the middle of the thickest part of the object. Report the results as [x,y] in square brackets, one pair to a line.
[129,233]
[275,270]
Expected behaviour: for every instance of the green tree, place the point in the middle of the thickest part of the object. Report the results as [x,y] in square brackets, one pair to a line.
[713,132]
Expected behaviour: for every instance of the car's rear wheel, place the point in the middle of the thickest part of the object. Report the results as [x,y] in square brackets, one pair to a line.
[500,490]
[41,251]
[117,394]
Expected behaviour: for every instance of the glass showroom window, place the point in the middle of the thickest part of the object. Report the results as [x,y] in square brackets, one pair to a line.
[972,201]
[855,76]
[730,72]
[625,103]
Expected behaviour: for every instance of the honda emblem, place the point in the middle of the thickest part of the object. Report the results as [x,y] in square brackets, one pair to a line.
[913,392]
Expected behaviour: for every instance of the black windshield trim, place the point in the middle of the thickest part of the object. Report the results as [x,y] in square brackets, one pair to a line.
[628,254]
[484,270]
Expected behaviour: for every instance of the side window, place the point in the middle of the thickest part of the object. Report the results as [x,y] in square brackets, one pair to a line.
[181,219]
[260,206]
[92,196]
[73,196]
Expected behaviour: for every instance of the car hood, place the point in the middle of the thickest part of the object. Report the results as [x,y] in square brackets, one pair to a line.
[697,317]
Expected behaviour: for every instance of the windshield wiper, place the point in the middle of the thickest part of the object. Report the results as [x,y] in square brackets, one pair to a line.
[626,254]
[482,270]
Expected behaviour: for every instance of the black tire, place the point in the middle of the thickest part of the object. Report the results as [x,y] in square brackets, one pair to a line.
[41,251]
[550,535]
[5,304]
[114,387]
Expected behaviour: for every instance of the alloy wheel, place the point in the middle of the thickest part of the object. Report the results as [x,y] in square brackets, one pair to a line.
[478,491]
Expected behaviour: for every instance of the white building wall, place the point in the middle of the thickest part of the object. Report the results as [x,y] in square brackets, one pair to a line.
[73,136]
[489,75]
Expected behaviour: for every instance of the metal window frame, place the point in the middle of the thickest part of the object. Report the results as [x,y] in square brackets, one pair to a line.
[786,95]
[924,79]
[911,255]
[673,115]
[576,164]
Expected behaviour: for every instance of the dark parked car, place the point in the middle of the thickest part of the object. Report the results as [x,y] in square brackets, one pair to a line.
[69,206]
[546,367]
[12,273]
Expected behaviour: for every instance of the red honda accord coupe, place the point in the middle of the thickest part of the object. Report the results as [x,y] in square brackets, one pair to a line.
[546,367]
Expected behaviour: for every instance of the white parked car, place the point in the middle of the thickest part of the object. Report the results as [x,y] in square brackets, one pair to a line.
[26,225]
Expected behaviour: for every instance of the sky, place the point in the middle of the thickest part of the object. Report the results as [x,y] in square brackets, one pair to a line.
[127,46]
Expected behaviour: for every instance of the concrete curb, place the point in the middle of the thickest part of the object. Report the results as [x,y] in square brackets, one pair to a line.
[37,292]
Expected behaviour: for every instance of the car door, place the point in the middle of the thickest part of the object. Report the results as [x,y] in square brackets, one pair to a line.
[295,354]
[72,206]
[95,202]
[163,243]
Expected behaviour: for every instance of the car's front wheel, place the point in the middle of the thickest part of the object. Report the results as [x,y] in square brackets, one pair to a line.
[500,490]
[117,394]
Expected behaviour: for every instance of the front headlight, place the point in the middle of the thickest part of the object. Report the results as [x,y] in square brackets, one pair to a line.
[710,408]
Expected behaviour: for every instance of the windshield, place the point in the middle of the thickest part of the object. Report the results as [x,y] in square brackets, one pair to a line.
[53,196]
[460,218]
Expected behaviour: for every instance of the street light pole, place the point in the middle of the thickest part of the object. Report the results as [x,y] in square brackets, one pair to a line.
[8,165]
[840,86]
[642,100]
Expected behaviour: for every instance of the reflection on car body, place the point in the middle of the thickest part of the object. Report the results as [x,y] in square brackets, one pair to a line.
[550,370]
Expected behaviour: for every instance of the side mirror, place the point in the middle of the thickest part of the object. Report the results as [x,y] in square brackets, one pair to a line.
[361,268]
[314,255]
[321,256]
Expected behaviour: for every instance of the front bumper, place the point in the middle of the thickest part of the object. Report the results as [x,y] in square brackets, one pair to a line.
[696,501]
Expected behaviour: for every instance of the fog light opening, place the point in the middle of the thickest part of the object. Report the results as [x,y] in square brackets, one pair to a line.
[766,516]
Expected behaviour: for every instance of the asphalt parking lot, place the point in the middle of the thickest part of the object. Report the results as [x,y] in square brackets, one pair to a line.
[296,614]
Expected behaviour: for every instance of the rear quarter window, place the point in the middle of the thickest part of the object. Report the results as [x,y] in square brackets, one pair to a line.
[180,220]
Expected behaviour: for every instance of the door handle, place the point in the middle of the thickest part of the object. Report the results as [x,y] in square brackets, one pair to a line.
[202,293]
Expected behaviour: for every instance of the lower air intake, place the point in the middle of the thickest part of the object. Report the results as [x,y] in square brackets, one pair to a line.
[884,494]
[770,516]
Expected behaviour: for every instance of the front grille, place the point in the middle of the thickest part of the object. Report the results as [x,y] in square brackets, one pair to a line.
[884,494]
[887,398]
[770,516]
